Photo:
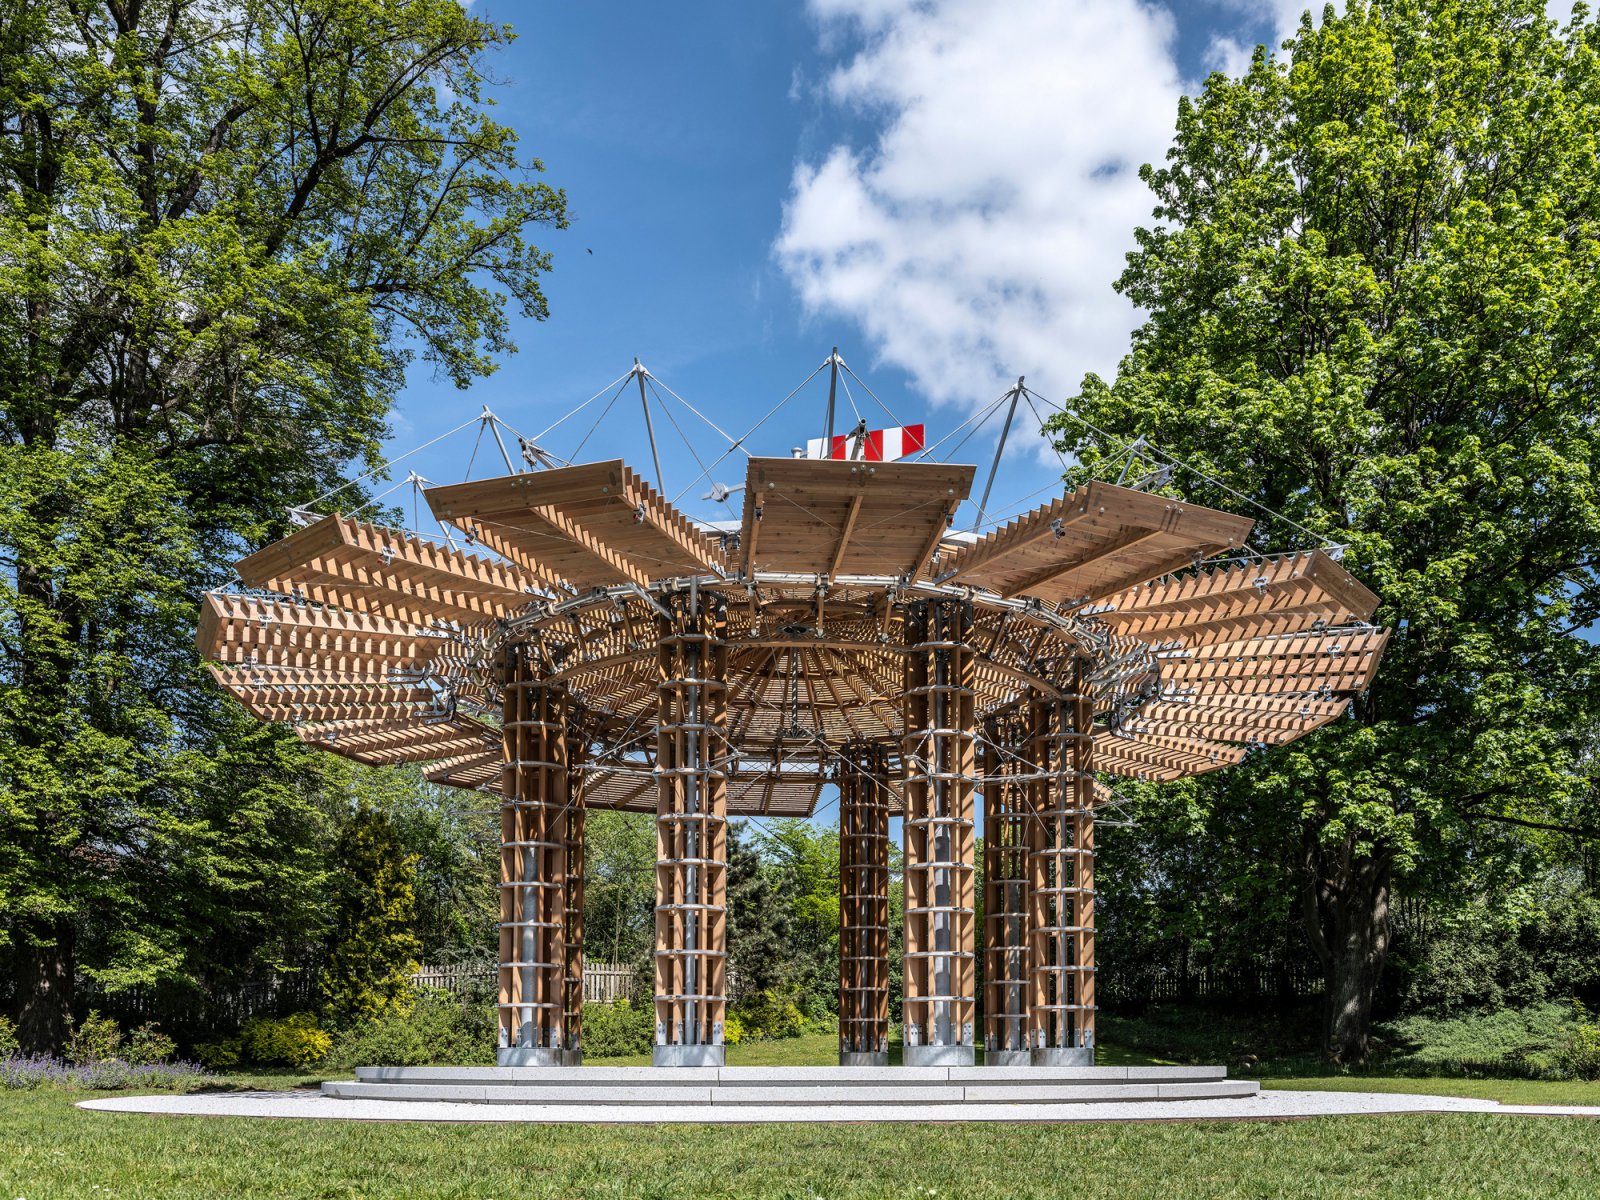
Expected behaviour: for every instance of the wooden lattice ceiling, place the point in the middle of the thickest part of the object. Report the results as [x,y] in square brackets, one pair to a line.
[384,646]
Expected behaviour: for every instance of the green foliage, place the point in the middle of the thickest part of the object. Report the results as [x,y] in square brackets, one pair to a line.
[95,1039]
[293,1041]
[219,252]
[619,1028]
[620,887]
[8,1037]
[146,1046]
[223,1055]
[768,1014]
[373,949]
[1545,1041]
[733,1030]
[1372,299]
[439,1028]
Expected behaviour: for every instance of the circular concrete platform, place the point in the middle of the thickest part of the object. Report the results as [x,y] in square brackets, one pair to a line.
[1270,1105]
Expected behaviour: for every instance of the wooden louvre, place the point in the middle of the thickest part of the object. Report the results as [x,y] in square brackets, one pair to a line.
[838,517]
[1095,542]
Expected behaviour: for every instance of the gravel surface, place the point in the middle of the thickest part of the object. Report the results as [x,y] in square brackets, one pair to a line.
[1266,1106]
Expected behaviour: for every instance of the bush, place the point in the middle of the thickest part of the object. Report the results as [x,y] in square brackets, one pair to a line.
[438,1029]
[223,1055]
[732,1030]
[8,1038]
[1543,1041]
[769,1014]
[42,1070]
[96,1039]
[621,1027]
[294,1041]
[1580,1057]
[147,1045]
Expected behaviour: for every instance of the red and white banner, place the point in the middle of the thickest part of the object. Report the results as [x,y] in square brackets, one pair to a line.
[877,445]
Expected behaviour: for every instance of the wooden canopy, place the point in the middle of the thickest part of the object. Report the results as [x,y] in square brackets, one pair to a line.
[387,647]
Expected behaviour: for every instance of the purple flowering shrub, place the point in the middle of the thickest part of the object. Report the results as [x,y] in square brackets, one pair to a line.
[21,1072]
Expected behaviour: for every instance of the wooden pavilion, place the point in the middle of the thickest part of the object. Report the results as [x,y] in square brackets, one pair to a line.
[596,648]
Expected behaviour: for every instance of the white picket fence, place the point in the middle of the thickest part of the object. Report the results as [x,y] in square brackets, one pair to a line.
[602,981]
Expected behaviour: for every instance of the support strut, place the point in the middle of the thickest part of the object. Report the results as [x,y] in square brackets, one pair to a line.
[1006,899]
[940,775]
[691,832]
[863,905]
[535,842]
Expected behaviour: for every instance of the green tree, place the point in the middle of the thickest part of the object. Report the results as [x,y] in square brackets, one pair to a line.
[372,946]
[225,232]
[1372,307]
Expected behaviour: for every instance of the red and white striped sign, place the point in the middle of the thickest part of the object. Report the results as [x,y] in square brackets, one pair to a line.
[877,445]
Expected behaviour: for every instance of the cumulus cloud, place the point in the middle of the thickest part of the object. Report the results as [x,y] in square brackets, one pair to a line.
[978,235]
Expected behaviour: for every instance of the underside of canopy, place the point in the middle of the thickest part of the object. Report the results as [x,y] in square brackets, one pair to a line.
[388,647]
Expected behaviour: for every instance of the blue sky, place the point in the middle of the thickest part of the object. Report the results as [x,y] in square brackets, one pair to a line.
[943,188]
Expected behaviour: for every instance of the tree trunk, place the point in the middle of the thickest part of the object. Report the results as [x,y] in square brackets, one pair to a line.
[45,977]
[1346,916]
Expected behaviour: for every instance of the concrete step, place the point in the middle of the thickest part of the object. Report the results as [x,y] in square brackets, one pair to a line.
[766,1086]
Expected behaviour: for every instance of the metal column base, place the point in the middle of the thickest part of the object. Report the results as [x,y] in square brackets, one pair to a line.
[686,1056]
[938,1056]
[1007,1058]
[572,1058]
[528,1056]
[1061,1056]
[863,1058]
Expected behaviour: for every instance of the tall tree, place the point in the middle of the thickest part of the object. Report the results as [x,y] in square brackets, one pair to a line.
[1372,307]
[372,947]
[225,231]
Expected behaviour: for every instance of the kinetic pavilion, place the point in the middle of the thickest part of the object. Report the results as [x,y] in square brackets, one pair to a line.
[595,648]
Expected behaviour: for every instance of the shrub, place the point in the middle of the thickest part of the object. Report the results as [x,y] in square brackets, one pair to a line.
[19,1073]
[223,1055]
[769,1014]
[147,1045]
[96,1039]
[294,1041]
[618,1028]
[438,1029]
[1580,1057]
[1541,1041]
[8,1038]
[732,1030]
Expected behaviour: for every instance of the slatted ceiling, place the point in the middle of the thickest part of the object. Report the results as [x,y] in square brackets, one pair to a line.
[1129,756]
[828,517]
[1247,589]
[471,771]
[1304,618]
[1095,541]
[593,524]
[351,564]
[236,629]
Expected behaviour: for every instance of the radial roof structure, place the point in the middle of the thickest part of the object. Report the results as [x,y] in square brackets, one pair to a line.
[385,646]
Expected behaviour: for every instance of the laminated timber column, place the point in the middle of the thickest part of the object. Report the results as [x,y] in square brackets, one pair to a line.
[1006,902]
[691,832]
[572,896]
[863,905]
[1061,869]
[534,844]
[940,774]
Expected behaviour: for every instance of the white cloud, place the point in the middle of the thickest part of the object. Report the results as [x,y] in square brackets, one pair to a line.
[978,237]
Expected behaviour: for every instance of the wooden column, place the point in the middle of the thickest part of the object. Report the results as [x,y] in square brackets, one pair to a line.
[1061,870]
[572,980]
[863,905]
[534,845]
[691,832]
[1006,900]
[940,774]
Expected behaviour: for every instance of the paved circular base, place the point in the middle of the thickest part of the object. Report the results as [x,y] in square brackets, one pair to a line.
[1271,1105]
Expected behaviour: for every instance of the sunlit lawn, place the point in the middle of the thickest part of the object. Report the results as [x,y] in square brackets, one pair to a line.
[50,1149]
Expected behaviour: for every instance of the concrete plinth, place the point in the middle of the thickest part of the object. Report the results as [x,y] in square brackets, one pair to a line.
[1007,1058]
[863,1058]
[938,1056]
[686,1056]
[1057,1056]
[529,1056]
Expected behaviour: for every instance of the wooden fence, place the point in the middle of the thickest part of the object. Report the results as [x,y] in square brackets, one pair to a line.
[1154,985]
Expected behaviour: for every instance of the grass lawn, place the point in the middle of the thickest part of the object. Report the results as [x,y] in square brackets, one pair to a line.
[49,1149]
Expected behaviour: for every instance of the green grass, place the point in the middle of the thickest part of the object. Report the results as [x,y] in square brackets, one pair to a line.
[53,1150]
